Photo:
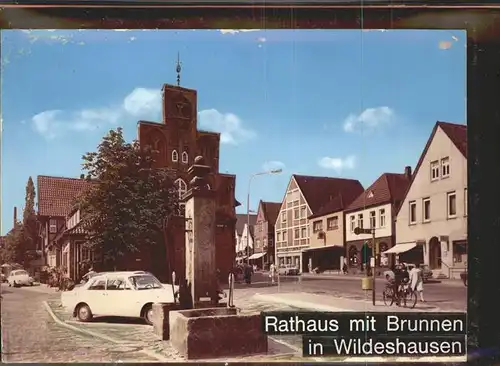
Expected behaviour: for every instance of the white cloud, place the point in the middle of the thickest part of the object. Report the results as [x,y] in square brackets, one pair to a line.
[234,31]
[228,124]
[141,102]
[338,164]
[273,165]
[368,119]
[261,39]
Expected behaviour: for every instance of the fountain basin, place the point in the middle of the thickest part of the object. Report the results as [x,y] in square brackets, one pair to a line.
[216,332]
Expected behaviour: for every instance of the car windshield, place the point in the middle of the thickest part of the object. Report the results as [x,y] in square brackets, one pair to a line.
[145,282]
[20,273]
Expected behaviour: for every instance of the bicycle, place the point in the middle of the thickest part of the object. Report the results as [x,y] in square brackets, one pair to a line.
[405,296]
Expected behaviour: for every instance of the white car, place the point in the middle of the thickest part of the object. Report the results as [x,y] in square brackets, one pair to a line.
[20,277]
[289,269]
[123,294]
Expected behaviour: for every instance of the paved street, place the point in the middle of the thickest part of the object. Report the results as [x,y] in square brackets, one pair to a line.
[29,334]
[443,295]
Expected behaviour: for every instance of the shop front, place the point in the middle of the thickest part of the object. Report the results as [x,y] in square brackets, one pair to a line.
[322,259]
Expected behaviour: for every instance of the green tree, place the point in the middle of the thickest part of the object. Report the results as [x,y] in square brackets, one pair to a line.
[13,250]
[124,209]
[30,224]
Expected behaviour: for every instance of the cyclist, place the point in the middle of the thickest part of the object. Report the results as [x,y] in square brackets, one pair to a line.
[401,277]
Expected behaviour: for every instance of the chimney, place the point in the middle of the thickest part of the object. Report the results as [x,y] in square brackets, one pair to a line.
[82,176]
[408,172]
[15,216]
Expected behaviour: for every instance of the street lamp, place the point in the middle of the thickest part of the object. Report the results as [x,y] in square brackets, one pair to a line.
[274,171]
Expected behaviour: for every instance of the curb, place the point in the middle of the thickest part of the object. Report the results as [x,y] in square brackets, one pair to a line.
[298,303]
[97,335]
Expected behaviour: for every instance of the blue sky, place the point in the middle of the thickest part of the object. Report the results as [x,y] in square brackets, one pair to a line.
[331,103]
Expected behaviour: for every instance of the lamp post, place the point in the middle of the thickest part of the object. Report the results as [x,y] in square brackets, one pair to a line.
[274,171]
[358,231]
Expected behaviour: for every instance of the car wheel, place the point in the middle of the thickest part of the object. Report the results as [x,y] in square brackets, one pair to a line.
[10,284]
[83,313]
[148,314]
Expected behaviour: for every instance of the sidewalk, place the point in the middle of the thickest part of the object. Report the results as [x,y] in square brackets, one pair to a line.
[315,302]
[358,276]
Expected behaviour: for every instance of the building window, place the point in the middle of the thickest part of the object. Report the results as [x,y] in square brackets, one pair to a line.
[360,221]
[52,226]
[332,223]
[303,212]
[185,157]
[303,232]
[445,167]
[434,170]
[426,211]
[373,220]
[175,156]
[296,213]
[296,233]
[317,226]
[381,218]
[466,198]
[413,212]
[353,223]
[257,243]
[452,204]
[283,216]
[278,236]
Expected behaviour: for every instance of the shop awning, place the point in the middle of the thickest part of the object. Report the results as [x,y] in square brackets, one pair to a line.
[257,255]
[400,248]
[334,246]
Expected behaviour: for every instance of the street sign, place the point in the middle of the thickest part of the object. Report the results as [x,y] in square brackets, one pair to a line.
[359,230]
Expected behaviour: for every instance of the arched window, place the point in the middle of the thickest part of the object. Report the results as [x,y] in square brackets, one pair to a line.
[175,156]
[185,157]
[181,190]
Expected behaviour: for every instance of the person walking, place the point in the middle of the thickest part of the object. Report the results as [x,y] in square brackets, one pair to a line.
[272,272]
[417,281]
[344,267]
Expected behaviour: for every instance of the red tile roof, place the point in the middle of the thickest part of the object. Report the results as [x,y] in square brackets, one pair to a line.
[56,195]
[271,211]
[388,188]
[325,194]
[457,133]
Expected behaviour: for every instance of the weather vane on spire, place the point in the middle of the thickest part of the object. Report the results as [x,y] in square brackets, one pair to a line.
[178,69]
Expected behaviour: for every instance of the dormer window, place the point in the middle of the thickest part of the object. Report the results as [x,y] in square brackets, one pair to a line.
[185,157]
[370,194]
[175,156]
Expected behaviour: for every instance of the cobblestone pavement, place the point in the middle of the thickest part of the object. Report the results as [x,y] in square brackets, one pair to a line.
[29,334]
[286,348]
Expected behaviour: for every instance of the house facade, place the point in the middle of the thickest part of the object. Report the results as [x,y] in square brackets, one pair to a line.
[263,254]
[244,235]
[305,196]
[375,209]
[433,215]
[70,241]
[327,228]
[56,197]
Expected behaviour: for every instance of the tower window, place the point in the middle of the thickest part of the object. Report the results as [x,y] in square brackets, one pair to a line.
[185,157]
[175,156]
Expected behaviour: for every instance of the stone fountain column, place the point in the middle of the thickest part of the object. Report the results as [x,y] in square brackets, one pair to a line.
[201,270]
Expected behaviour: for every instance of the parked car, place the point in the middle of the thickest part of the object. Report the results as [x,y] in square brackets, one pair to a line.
[20,277]
[288,269]
[3,277]
[123,294]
